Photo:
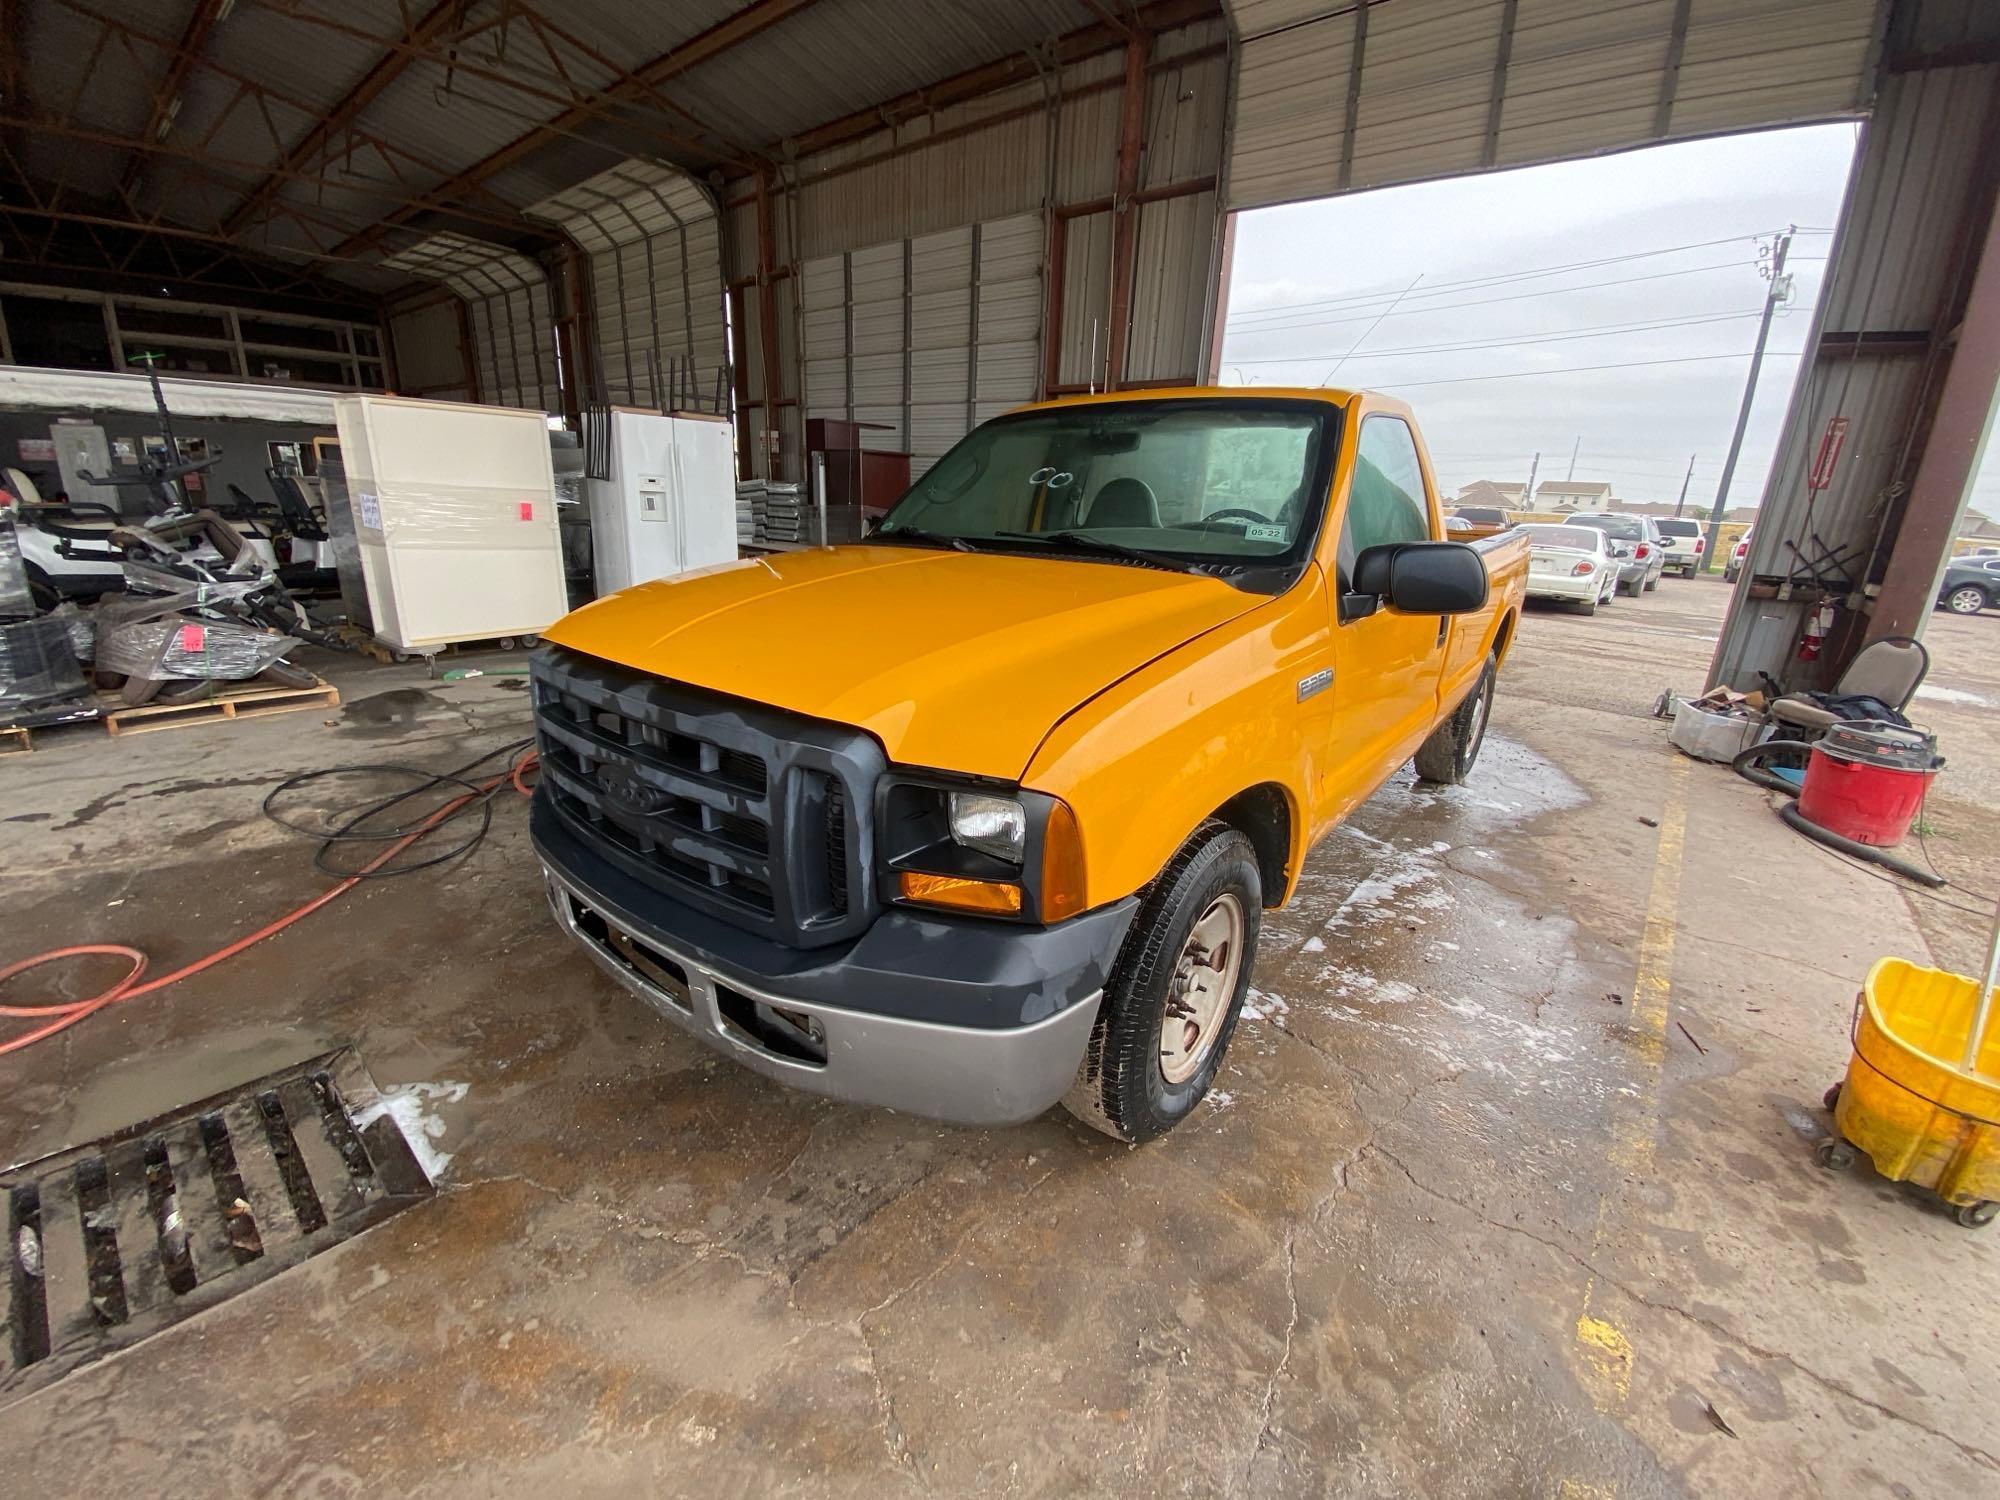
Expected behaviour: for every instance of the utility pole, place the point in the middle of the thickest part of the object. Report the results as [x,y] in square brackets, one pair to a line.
[1572,458]
[1780,287]
[1684,487]
[1528,500]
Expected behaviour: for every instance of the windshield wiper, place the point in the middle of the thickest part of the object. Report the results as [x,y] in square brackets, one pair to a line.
[926,538]
[1083,542]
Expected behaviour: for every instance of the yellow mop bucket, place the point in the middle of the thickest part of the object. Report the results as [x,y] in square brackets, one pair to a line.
[1922,1092]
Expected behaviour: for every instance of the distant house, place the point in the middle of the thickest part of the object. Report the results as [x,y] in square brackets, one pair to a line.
[1499,494]
[1572,494]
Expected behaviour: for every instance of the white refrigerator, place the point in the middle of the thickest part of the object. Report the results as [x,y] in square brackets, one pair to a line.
[670,503]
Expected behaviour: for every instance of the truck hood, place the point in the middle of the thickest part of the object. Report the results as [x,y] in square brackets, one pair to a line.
[958,660]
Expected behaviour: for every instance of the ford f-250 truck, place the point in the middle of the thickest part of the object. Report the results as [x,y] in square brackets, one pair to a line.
[981,813]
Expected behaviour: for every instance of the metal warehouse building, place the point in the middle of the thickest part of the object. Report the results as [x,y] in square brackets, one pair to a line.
[1158,956]
[916,216]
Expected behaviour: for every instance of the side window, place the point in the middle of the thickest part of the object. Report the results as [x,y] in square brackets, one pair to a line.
[1386,502]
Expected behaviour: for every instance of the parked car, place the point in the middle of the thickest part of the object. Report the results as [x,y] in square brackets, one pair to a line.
[1147,650]
[1684,544]
[1480,521]
[1635,543]
[1970,585]
[1573,564]
[1739,556]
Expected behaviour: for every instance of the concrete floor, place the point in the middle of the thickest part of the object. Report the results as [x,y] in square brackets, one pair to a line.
[1507,1184]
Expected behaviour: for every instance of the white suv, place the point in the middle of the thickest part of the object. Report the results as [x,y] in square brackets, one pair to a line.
[1685,545]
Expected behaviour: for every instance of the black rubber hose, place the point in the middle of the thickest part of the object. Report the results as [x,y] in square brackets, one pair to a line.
[1745,764]
[1790,813]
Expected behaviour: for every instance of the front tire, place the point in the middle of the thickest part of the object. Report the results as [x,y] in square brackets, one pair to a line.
[1969,600]
[1448,755]
[1175,992]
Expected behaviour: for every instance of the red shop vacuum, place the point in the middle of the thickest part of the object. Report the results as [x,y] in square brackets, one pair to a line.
[1867,780]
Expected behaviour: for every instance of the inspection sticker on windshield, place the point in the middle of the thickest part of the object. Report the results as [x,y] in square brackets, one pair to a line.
[1263,533]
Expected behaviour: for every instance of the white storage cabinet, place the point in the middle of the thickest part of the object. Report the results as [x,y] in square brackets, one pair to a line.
[454,517]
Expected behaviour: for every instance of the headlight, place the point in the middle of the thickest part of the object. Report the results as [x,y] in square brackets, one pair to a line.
[993,825]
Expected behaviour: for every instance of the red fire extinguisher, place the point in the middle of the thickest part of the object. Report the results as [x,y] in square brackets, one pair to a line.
[1816,630]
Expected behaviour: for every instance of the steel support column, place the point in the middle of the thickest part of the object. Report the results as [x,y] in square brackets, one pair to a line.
[1125,209]
[1951,456]
[767,326]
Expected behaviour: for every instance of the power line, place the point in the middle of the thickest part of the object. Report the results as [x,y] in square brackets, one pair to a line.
[1630,364]
[1509,341]
[1501,278]
[1551,291]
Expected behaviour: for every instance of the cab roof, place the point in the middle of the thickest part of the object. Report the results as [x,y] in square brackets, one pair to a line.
[1330,395]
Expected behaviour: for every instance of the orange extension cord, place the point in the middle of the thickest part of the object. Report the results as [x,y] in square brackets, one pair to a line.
[65,1014]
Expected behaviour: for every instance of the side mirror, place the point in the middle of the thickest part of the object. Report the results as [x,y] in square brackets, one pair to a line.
[1423,578]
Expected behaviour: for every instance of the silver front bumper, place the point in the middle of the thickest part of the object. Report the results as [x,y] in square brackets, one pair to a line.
[967,1075]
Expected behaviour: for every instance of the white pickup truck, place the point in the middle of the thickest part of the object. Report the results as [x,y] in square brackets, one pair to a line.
[1685,545]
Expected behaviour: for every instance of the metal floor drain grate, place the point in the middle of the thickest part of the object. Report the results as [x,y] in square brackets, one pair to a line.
[113,1241]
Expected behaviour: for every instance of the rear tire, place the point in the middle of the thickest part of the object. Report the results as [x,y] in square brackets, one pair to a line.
[1121,1087]
[1969,600]
[1588,606]
[1654,582]
[1448,755]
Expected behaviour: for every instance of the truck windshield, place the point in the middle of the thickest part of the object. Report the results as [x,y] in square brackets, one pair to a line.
[1215,480]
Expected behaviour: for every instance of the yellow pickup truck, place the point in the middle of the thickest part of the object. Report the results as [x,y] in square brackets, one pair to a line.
[981,813]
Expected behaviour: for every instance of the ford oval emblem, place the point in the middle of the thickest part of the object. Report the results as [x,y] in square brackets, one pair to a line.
[624,790]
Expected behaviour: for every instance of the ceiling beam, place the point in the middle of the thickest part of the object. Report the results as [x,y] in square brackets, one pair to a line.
[719,38]
[231,171]
[387,69]
[166,97]
[83,256]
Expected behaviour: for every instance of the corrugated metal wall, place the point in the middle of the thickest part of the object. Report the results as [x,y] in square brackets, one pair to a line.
[922,338]
[1899,260]
[655,250]
[908,346]
[1334,97]
[429,359]
[511,313]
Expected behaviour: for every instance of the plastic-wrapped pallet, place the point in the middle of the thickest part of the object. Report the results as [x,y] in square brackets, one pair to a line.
[178,647]
[16,601]
[146,635]
[38,670]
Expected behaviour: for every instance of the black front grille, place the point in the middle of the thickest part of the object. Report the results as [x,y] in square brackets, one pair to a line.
[836,846]
[734,807]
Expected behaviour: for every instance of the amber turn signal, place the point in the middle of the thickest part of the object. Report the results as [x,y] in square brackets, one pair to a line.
[996,897]
[1062,865]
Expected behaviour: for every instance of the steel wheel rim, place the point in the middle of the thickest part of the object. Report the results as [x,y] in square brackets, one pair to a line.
[1476,728]
[1968,601]
[1200,989]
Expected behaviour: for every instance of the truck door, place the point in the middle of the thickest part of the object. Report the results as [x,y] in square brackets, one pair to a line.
[1386,665]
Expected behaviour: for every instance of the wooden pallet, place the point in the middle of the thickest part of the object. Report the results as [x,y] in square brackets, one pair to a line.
[247,703]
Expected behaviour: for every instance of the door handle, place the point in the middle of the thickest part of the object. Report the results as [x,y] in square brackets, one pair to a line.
[1444,623]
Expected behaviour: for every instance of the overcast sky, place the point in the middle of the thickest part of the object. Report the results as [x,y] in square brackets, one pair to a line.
[1674,232]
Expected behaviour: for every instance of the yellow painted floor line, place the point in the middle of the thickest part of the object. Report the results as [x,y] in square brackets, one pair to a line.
[1606,1353]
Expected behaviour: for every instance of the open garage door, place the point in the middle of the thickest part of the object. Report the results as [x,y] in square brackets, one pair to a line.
[921,339]
[655,253]
[507,301]
[1331,98]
